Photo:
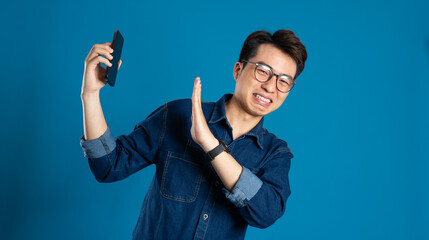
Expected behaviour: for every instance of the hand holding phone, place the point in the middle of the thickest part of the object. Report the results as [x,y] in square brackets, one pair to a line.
[112,71]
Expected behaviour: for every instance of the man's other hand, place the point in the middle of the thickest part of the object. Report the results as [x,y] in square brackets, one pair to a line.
[200,131]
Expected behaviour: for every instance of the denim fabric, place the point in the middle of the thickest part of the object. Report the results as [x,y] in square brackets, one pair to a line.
[186,199]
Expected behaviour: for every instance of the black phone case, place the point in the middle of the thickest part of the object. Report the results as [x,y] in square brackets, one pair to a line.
[117,43]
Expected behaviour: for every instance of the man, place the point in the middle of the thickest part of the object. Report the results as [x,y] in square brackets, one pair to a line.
[218,169]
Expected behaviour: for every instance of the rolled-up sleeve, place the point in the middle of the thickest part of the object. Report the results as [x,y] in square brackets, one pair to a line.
[246,187]
[261,197]
[100,146]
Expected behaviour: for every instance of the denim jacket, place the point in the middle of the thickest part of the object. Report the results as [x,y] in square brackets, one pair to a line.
[186,199]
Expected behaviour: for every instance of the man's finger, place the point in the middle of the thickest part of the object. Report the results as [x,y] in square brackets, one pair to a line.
[194,93]
[109,45]
[197,93]
[98,59]
[100,49]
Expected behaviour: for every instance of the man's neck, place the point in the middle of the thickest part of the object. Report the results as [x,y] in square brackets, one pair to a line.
[240,121]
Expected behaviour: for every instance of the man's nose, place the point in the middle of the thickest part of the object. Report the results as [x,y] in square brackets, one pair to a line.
[270,85]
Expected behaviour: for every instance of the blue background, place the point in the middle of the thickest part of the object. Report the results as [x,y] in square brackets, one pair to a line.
[357,122]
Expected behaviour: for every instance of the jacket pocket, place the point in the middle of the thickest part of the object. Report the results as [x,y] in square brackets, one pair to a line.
[181,178]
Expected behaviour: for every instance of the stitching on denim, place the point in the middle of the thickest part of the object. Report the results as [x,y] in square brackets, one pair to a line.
[164,126]
[109,160]
[211,210]
[103,141]
[283,149]
[242,195]
[189,143]
[197,188]
[261,139]
[192,145]
[164,173]
[195,164]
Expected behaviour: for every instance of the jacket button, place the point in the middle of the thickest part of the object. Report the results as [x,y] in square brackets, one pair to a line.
[205,216]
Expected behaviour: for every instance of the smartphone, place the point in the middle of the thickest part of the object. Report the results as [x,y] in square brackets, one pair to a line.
[117,43]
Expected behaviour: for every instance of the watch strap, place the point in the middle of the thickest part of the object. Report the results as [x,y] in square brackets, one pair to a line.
[218,150]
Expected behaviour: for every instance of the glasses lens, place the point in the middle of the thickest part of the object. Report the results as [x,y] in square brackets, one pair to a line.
[263,73]
[285,83]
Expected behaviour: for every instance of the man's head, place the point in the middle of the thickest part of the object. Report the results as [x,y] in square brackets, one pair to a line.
[284,53]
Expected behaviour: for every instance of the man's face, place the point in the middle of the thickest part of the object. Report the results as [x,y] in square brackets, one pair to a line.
[248,91]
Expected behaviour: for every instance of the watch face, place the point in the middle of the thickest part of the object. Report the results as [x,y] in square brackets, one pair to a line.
[226,148]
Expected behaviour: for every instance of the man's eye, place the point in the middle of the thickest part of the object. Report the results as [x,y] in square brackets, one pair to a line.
[285,81]
[262,72]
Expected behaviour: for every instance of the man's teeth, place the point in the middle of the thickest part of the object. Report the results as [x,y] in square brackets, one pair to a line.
[263,99]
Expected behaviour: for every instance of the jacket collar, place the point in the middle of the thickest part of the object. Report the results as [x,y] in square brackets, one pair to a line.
[219,114]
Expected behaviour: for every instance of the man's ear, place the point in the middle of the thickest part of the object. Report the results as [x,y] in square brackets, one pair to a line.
[238,67]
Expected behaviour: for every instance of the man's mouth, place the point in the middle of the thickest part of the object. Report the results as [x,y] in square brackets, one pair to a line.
[263,99]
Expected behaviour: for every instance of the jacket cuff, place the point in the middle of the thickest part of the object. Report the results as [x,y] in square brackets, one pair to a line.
[98,147]
[246,187]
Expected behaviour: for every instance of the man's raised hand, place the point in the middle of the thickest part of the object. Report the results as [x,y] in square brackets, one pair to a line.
[200,131]
[94,74]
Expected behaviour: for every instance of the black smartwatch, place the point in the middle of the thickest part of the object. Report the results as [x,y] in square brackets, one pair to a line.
[218,150]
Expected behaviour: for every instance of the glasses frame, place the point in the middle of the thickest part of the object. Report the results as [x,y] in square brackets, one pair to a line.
[272,74]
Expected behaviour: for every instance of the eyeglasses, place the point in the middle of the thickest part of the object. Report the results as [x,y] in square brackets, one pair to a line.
[263,73]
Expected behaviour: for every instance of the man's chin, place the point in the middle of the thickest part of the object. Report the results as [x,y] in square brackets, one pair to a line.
[260,112]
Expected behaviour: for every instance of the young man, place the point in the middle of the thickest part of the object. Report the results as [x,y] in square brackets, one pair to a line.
[218,169]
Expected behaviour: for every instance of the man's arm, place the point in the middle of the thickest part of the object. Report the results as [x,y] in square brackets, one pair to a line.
[260,199]
[94,123]
[226,166]
[114,158]
[107,160]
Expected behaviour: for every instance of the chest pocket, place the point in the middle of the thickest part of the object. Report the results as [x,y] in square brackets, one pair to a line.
[181,178]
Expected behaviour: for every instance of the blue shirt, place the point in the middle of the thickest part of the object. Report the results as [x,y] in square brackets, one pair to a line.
[186,199]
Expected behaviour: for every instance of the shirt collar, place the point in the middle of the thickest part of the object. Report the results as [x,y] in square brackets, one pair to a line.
[220,114]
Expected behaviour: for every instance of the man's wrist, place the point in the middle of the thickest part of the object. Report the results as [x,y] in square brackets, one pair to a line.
[222,147]
[210,144]
[88,96]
